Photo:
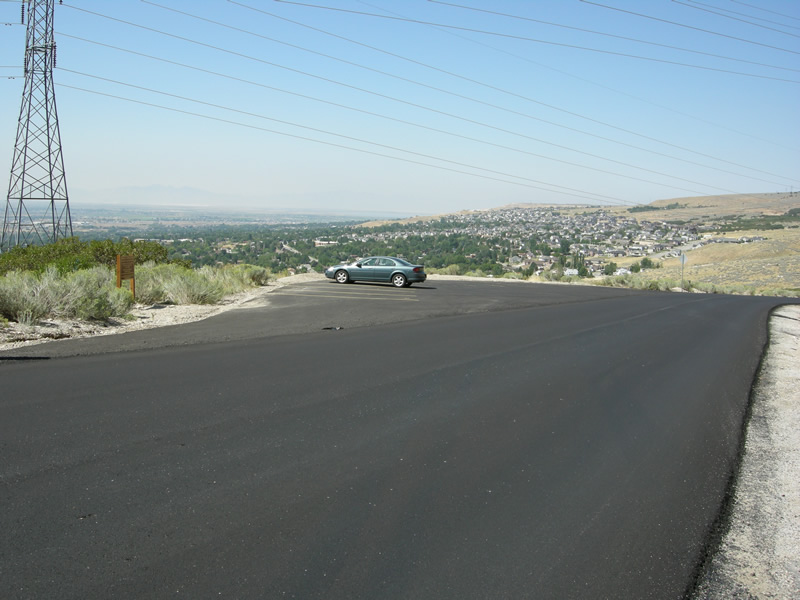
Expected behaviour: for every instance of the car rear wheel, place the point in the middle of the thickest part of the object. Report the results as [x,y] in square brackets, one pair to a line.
[342,276]
[399,280]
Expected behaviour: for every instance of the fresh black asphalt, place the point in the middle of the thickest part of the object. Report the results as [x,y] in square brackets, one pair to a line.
[471,440]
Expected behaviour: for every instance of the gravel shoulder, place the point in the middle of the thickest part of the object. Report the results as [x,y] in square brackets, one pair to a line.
[759,555]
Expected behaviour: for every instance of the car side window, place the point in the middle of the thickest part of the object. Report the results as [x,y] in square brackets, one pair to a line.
[369,263]
[386,262]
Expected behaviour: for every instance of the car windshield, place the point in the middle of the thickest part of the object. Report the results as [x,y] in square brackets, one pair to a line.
[404,263]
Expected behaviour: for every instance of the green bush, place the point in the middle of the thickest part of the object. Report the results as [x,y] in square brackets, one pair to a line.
[70,254]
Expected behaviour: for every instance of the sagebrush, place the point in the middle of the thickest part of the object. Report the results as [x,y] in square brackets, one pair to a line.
[91,294]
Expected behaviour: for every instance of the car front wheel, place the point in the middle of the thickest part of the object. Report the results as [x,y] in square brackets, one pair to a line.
[342,276]
[398,280]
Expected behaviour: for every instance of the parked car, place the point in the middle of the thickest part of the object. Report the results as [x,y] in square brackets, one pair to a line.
[386,269]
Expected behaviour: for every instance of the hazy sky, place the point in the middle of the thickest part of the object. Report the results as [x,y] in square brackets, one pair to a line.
[416,106]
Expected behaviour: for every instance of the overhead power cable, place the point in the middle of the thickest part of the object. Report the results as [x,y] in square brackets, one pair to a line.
[766,10]
[402,121]
[540,41]
[721,13]
[385,146]
[435,111]
[611,35]
[539,103]
[684,25]
[516,133]
[365,141]
[495,175]
[603,86]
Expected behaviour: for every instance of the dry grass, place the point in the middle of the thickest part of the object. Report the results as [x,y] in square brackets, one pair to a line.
[771,264]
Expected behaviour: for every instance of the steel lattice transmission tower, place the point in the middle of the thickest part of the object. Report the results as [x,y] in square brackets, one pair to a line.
[37,208]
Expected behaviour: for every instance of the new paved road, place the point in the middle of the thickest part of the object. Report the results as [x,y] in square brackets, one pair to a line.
[471,441]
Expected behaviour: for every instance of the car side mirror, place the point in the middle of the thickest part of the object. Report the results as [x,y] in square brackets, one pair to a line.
[359,265]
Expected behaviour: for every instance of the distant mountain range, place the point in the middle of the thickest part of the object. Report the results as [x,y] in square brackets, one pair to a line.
[170,198]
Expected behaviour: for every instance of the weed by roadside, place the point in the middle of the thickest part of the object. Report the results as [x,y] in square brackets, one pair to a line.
[642,283]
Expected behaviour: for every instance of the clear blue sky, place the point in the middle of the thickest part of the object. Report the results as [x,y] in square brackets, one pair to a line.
[444,106]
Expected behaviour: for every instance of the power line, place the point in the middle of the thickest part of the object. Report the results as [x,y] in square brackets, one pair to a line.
[578,193]
[597,84]
[528,99]
[471,121]
[422,107]
[380,95]
[766,10]
[351,138]
[414,124]
[714,10]
[731,37]
[539,41]
[612,35]
[388,74]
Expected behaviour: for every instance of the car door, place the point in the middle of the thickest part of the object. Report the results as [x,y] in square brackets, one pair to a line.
[384,270]
[367,271]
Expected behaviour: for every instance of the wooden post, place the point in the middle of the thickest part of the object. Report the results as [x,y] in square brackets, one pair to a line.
[125,270]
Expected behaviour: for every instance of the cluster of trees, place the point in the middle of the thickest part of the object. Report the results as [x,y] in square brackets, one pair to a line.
[71,254]
[790,219]
[284,247]
[645,263]
[648,208]
[437,245]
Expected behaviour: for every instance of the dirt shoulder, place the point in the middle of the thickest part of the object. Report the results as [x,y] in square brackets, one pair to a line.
[759,556]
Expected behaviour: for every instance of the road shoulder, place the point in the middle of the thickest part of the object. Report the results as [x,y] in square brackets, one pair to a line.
[759,555]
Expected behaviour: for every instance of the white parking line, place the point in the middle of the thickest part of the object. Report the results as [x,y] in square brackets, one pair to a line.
[354,296]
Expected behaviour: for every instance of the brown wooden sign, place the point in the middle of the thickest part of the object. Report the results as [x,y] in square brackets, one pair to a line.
[125,271]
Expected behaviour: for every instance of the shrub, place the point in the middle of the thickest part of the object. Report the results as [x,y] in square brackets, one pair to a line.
[92,294]
[193,288]
[23,298]
[105,251]
[453,269]
[236,278]
[28,297]
[175,284]
[70,254]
